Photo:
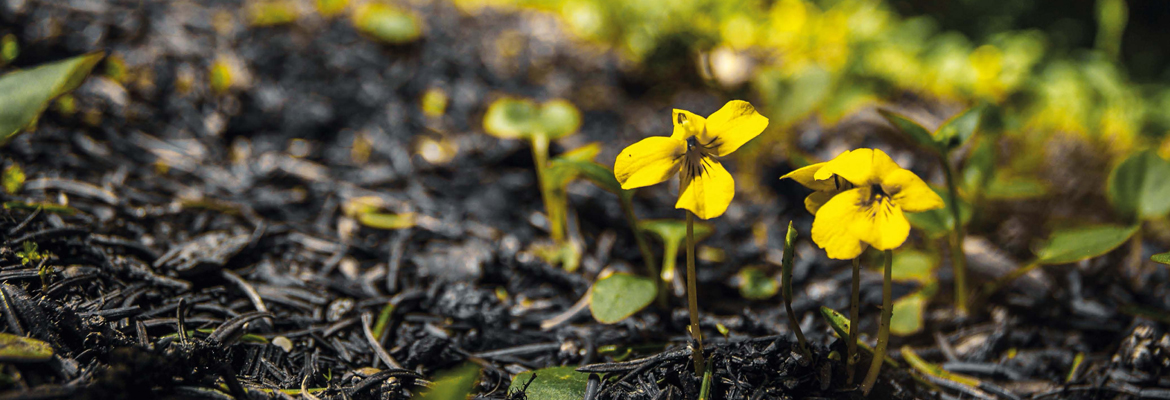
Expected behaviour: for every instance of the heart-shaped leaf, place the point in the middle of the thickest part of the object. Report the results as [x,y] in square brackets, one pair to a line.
[911,129]
[510,118]
[1071,245]
[959,129]
[22,349]
[1139,187]
[453,384]
[25,94]
[559,118]
[556,383]
[619,296]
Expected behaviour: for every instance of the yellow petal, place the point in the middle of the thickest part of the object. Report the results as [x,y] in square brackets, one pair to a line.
[732,126]
[650,161]
[881,224]
[815,201]
[830,230]
[804,176]
[860,167]
[707,188]
[686,124]
[909,192]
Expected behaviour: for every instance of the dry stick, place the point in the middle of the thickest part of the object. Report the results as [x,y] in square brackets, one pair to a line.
[692,297]
[854,357]
[786,265]
[883,342]
[377,347]
[958,259]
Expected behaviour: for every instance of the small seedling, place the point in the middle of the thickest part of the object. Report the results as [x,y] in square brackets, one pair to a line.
[706,188]
[789,254]
[673,233]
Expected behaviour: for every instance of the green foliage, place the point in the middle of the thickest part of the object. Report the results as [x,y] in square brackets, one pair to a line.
[386,221]
[1071,245]
[510,118]
[453,384]
[19,349]
[25,94]
[619,296]
[9,49]
[938,223]
[1139,187]
[754,284]
[387,23]
[12,179]
[1161,258]
[556,383]
[951,135]
[30,255]
[911,129]
[914,266]
[907,318]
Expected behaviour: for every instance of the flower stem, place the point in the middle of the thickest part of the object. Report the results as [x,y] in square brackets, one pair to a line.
[883,342]
[540,158]
[853,356]
[958,258]
[692,296]
[786,261]
[647,256]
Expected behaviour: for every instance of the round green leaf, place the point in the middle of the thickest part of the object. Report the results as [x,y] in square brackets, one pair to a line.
[673,230]
[24,94]
[509,118]
[618,296]
[1139,187]
[387,23]
[1072,245]
[559,118]
[453,384]
[1161,258]
[914,265]
[22,349]
[754,284]
[556,383]
[907,316]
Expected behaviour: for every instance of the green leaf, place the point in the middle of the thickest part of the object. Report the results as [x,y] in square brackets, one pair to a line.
[907,317]
[1139,187]
[673,230]
[25,94]
[911,129]
[839,322]
[959,129]
[940,222]
[1071,245]
[453,384]
[558,118]
[1161,258]
[386,221]
[980,167]
[754,284]
[556,383]
[914,265]
[619,296]
[796,98]
[22,349]
[1015,188]
[387,23]
[12,179]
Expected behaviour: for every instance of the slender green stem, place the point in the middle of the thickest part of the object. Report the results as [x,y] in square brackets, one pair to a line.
[789,253]
[647,255]
[958,258]
[883,342]
[540,158]
[854,357]
[692,296]
[668,274]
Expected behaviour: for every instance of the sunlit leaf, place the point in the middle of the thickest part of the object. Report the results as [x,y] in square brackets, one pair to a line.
[509,118]
[907,317]
[9,49]
[453,384]
[911,129]
[556,383]
[25,93]
[22,349]
[387,23]
[619,296]
[959,129]
[272,12]
[12,179]
[1072,245]
[1139,187]
[914,265]
[673,230]
[559,118]
[939,222]
[754,284]
[840,324]
[1161,258]
[386,221]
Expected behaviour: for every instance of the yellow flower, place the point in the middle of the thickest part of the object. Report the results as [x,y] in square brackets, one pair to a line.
[706,187]
[860,199]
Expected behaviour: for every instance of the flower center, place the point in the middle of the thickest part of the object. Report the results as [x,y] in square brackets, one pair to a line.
[692,143]
[877,194]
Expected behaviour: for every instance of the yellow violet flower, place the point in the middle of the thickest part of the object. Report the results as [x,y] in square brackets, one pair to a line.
[860,199]
[690,151]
